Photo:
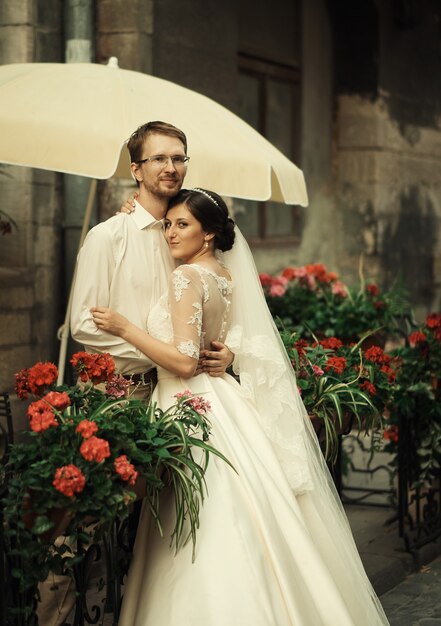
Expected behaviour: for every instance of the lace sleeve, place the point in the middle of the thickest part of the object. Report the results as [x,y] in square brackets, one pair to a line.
[185,300]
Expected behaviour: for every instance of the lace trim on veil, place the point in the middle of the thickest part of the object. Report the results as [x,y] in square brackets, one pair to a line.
[264,380]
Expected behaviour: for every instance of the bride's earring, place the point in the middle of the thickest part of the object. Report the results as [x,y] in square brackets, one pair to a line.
[206,245]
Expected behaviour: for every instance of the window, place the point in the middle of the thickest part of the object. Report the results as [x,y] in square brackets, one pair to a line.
[269,100]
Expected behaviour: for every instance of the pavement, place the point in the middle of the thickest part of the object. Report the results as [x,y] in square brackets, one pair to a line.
[381,549]
[409,585]
[417,600]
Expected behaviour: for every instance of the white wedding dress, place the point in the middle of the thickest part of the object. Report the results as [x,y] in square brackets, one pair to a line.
[265,555]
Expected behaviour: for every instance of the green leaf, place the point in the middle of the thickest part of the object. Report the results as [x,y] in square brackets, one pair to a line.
[41,525]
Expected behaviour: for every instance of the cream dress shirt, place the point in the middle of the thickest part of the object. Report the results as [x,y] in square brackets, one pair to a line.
[124,264]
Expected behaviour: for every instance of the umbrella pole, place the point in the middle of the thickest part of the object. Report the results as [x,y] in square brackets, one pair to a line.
[64,330]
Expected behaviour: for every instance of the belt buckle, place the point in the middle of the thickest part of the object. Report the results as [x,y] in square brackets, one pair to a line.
[142,378]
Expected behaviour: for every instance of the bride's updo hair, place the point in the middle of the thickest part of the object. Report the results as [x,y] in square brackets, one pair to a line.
[211,212]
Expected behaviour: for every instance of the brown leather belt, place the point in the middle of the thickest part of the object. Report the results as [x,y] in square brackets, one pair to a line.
[144,378]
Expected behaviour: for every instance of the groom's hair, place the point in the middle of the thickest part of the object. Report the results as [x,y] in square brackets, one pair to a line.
[137,138]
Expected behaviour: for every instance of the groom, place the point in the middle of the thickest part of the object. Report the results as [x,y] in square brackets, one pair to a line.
[125,264]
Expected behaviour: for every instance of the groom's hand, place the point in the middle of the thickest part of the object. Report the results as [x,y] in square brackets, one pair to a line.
[215,362]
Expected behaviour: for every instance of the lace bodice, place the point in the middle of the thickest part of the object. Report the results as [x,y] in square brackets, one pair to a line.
[194,312]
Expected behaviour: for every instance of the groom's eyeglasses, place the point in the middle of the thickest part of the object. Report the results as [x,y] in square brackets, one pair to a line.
[160,160]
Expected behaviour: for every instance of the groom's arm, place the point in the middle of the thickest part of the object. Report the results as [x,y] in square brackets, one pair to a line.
[94,273]
[215,362]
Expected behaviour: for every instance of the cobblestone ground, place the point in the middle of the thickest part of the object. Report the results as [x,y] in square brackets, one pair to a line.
[417,600]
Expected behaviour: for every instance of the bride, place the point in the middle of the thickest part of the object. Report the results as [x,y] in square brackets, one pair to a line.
[274,547]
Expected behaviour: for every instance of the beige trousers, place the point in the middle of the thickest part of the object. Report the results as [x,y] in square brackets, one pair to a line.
[57,593]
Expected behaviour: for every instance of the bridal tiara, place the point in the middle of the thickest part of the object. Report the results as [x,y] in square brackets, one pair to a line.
[205,194]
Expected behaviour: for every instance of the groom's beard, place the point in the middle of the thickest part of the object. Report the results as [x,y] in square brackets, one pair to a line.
[166,186]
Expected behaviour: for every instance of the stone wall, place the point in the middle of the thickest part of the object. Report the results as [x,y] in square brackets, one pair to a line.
[370,140]
[30,257]
[388,152]
[125,30]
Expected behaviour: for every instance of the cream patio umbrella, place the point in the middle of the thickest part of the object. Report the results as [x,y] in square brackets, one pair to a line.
[75,118]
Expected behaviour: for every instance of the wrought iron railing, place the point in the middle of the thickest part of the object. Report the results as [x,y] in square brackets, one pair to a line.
[419,503]
[6,437]
[361,463]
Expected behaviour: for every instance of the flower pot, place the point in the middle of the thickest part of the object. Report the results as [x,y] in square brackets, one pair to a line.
[340,429]
[140,487]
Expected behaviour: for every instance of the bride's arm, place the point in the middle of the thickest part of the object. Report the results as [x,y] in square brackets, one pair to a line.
[163,354]
[185,298]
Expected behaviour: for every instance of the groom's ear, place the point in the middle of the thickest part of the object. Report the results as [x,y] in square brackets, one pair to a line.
[134,167]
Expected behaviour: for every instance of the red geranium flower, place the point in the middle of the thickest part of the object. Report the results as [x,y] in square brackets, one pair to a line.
[58,399]
[376,355]
[95,449]
[433,320]
[41,417]
[318,270]
[265,280]
[289,273]
[391,433]
[40,376]
[86,428]
[125,469]
[366,385]
[373,290]
[390,373]
[300,346]
[331,343]
[22,384]
[96,368]
[416,338]
[69,480]
[336,363]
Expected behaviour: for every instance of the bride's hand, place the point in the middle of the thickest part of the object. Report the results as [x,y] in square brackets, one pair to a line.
[110,321]
[129,205]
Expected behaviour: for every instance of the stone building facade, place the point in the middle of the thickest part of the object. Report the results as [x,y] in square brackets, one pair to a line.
[351,91]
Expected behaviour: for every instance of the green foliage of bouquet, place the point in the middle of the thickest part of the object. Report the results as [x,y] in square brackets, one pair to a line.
[87,454]
[311,301]
[340,385]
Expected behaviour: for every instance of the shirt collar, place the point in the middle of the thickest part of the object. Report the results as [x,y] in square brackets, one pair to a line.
[144,219]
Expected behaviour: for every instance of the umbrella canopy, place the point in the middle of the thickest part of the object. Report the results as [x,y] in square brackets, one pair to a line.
[76,117]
